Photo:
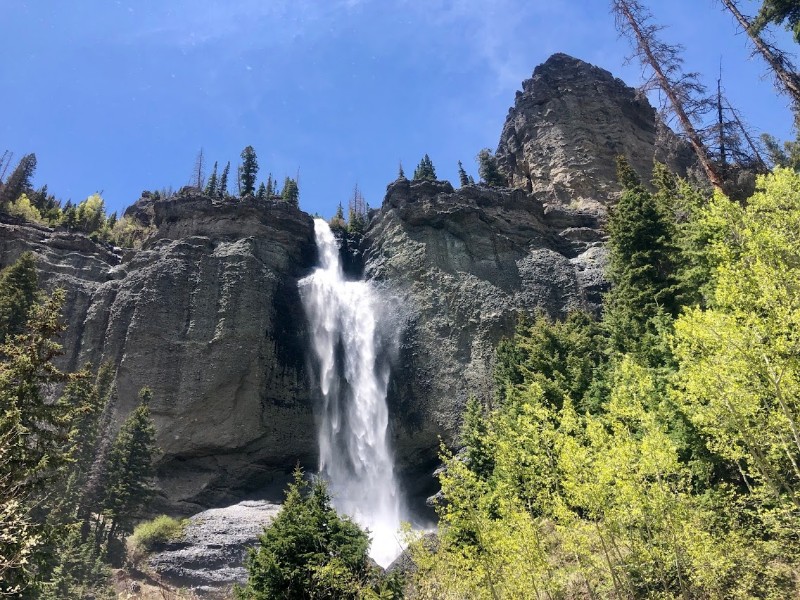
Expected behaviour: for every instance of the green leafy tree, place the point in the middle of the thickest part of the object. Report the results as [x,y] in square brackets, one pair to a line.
[91,214]
[489,170]
[308,551]
[130,469]
[425,169]
[248,172]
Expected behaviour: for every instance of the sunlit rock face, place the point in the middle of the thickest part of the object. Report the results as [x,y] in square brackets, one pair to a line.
[567,126]
[461,266]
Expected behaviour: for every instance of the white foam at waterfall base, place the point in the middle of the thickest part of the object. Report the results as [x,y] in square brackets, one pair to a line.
[355,456]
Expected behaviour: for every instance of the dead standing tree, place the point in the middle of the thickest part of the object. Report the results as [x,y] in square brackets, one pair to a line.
[785,73]
[685,95]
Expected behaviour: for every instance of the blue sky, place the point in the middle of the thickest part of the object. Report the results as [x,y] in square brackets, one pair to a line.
[119,96]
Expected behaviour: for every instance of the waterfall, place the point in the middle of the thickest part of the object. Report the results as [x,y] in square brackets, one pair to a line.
[354,454]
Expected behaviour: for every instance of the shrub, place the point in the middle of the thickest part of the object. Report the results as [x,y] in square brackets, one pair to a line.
[146,536]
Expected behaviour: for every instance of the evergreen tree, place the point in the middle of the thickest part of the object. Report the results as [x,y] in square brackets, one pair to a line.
[19,286]
[270,191]
[130,469]
[291,192]
[488,169]
[778,12]
[248,172]
[463,178]
[211,186]
[308,551]
[425,169]
[400,173]
[261,194]
[19,182]
[222,188]
[643,263]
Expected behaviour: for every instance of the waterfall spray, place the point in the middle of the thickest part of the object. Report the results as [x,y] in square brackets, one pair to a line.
[354,453]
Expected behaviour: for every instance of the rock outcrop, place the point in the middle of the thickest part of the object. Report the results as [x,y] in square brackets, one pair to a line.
[457,268]
[209,557]
[207,315]
[567,126]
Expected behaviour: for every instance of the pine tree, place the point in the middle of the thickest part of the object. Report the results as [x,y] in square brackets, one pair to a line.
[261,194]
[400,173]
[463,178]
[222,188]
[643,264]
[19,182]
[19,285]
[488,169]
[425,169]
[270,191]
[778,11]
[211,186]
[308,551]
[130,469]
[291,192]
[248,172]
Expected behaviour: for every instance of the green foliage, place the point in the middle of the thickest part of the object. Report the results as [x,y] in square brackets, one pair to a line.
[130,469]
[679,478]
[18,294]
[489,170]
[463,178]
[643,265]
[425,169]
[22,207]
[222,188]
[91,214]
[129,233]
[248,172]
[291,193]
[212,183]
[566,358]
[778,12]
[401,175]
[19,182]
[309,551]
[161,530]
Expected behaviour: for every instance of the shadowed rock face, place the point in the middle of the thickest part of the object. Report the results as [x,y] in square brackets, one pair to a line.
[208,316]
[568,124]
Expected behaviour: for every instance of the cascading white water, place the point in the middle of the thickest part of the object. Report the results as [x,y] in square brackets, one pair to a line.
[353,449]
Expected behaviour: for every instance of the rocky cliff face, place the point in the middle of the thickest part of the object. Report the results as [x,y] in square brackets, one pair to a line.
[208,316]
[567,126]
[457,268]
